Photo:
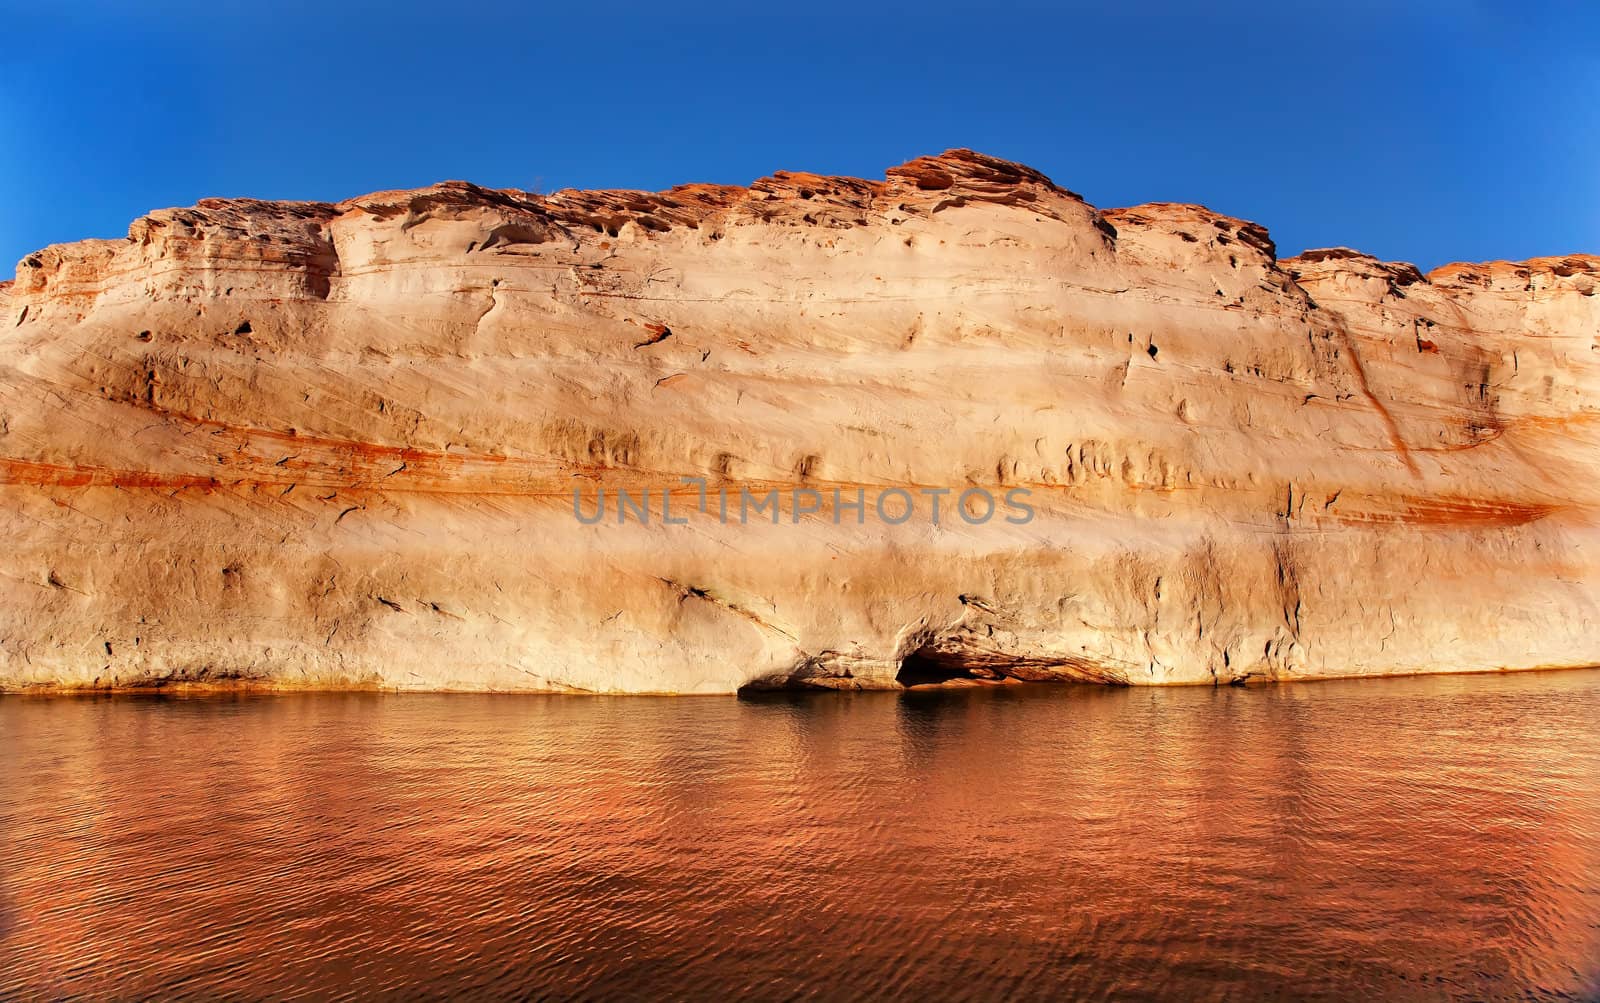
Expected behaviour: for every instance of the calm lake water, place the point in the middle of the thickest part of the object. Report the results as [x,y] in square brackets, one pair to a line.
[1398,839]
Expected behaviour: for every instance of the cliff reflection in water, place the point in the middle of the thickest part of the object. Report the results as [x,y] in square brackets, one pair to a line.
[1406,839]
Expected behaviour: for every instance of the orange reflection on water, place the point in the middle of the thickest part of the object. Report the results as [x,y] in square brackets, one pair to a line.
[1404,839]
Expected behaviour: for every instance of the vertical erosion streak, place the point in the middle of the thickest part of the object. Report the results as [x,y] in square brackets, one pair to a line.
[1389,423]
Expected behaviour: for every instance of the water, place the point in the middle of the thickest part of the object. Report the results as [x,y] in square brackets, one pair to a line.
[1400,839]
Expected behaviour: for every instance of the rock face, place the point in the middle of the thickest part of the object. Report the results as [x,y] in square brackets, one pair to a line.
[317,445]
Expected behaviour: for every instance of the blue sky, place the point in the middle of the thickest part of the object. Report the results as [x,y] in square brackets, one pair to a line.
[1444,131]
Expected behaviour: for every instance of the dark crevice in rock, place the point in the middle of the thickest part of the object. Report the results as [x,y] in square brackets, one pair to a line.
[974,658]
[927,667]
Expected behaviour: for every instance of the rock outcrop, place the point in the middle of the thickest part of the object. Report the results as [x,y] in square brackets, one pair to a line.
[329,445]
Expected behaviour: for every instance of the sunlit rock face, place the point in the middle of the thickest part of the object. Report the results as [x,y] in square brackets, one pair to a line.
[318,445]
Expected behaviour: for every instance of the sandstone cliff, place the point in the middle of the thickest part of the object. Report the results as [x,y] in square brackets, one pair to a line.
[309,444]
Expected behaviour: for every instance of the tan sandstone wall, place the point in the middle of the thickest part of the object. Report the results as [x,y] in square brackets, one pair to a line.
[306,444]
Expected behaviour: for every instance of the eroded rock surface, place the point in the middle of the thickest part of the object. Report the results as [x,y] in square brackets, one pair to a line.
[308,444]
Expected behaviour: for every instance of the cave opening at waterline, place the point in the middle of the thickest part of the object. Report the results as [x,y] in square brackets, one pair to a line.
[927,666]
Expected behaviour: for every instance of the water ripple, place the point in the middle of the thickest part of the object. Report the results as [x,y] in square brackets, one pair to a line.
[1401,839]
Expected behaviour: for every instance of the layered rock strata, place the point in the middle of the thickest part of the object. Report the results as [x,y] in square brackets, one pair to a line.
[337,445]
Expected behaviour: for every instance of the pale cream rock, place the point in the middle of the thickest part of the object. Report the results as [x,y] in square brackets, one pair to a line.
[313,445]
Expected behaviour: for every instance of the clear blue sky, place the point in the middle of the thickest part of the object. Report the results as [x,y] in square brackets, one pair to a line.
[1462,130]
